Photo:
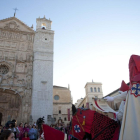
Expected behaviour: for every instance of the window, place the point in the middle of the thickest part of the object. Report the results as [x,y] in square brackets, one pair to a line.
[59,111]
[65,119]
[4,69]
[56,97]
[91,89]
[95,89]
[45,38]
[43,26]
[54,119]
[59,118]
[98,89]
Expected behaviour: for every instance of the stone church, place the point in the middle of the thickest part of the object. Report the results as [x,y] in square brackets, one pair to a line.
[26,70]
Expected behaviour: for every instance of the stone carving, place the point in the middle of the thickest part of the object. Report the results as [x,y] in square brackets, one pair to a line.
[2,43]
[14,35]
[12,55]
[23,46]
[1,54]
[11,82]
[17,54]
[13,45]
[28,93]
[30,69]
[28,83]
[20,67]
[20,57]
[23,37]
[12,26]
[10,35]
[30,46]
[3,98]
[29,57]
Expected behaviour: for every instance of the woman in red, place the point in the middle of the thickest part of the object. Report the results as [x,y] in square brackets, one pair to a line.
[21,134]
[26,136]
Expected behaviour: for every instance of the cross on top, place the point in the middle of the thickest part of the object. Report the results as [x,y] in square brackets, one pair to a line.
[136,89]
[77,128]
[15,11]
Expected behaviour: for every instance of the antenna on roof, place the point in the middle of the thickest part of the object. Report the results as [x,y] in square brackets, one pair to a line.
[15,11]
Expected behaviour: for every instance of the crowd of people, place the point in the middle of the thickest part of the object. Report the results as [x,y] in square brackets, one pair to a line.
[26,131]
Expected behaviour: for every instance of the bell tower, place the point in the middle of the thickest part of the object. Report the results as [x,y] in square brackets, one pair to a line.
[42,95]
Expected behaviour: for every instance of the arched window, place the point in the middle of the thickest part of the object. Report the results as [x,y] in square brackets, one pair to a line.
[65,119]
[91,89]
[95,89]
[43,25]
[98,89]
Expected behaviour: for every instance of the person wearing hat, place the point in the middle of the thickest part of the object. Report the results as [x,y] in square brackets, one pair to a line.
[130,128]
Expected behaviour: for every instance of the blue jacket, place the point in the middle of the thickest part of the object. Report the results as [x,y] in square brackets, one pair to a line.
[32,133]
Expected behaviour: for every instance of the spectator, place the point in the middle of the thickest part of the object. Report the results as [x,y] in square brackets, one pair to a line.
[25,136]
[60,127]
[20,135]
[33,133]
[34,124]
[7,135]
[0,129]
[53,126]
[26,129]
[13,127]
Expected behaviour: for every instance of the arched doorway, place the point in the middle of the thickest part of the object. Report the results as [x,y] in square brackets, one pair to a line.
[10,104]
[0,118]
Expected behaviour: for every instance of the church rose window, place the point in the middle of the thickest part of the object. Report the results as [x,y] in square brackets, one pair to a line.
[4,69]
[56,97]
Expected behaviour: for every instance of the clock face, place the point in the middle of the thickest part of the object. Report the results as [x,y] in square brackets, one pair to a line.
[45,38]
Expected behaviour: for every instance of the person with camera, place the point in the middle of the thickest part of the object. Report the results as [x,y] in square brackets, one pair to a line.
[11,125]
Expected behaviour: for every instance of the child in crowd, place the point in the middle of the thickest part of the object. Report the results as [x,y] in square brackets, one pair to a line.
[25,136]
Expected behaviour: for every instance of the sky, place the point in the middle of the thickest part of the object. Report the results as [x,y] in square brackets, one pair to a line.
[93,39]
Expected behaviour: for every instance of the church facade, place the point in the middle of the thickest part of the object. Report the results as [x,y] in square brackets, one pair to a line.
[26,70]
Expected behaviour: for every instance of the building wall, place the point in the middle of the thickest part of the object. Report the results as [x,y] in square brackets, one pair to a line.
[16,55]
[94,89]
[61,104]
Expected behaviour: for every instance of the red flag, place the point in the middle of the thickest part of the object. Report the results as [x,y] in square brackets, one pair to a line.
[52,134]
[81,123]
